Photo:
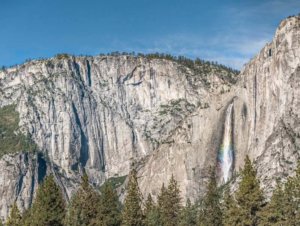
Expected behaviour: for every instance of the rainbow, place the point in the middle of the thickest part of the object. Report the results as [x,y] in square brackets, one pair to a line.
[226,152]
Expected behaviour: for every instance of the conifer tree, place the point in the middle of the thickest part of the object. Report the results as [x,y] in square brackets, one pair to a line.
[297,193]
[173,202]
[284,206]
[14,218]
[274,212]
[83,208]
[249,196]
[292,199]
[151,213]
[210,212]
[188,215]
[162,197]
[26,217]
[132,214]
[109,207]
[162,201]
[229,209]
[170,204]
[48,208]
[149,205]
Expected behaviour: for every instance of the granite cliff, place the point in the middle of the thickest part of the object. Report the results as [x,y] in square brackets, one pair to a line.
[106,114]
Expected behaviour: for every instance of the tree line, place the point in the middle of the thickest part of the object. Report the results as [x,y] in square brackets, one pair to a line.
[219,207]
[192,64]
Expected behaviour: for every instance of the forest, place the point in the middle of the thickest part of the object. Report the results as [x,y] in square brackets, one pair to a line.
[220,206]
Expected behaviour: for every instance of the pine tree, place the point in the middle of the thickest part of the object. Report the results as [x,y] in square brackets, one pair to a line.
[170,204]
[14,218]
[173,202]
[132,214]
[284,206]
[297,193]
[188,215]
[210,213]
[162,201]
[48,208]
[26,217]
[151,213]
[292,199]
[229,209]
[110,208]
[162,198]
[274,212]
[83,208]
[249,196]
[149,205]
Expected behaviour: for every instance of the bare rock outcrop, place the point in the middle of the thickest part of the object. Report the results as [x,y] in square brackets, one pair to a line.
[105,113]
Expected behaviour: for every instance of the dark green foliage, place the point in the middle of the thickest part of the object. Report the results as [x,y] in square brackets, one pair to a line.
[174,201]
[132,214]
[89,208]
[291,200]
[48,208]
[210,211]
[169,202]
[229,210]
[189,215]
[26,217]
[246,207]
[151,213]
[109,207]
[175,107]
[2,68]
[284,206]
[11,140]
[162,202]
[14,218]
[198,66]
[84,206]
[296,192]
[62,56]
[192,64]
[149,205]
[115,182]
[274,212]
[249,196]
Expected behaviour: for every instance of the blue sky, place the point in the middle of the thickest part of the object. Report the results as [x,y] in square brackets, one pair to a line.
[227,31]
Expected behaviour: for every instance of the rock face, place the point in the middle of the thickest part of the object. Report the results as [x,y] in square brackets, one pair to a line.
[97,113]
[266,122]
[269,87]
[106,114]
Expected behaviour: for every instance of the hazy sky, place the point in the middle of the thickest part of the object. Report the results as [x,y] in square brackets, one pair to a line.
[227,31]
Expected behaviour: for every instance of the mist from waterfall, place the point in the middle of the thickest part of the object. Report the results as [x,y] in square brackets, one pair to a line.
[226,152]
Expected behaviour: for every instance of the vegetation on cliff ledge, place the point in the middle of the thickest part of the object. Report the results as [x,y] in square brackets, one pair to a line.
[11,140]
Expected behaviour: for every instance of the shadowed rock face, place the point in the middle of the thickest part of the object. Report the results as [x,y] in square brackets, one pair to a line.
[104,113]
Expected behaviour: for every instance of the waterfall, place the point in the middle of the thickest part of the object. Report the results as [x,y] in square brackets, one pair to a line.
[226,155]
